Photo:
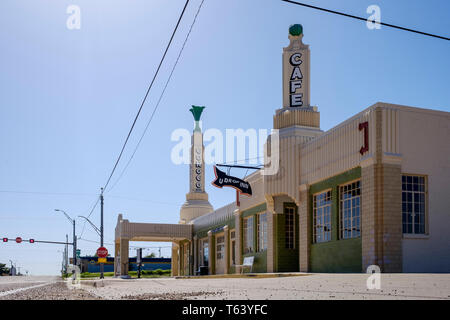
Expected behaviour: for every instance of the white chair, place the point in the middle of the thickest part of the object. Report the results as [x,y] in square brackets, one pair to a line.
[248,262]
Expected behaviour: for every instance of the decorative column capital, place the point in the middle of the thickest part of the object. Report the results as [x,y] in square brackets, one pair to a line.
[270,204]
[197,113]
[303,192]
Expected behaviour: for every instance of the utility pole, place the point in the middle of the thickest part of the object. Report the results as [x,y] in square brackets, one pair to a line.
[74,237]
[101,231]
[66,264]
[74,245]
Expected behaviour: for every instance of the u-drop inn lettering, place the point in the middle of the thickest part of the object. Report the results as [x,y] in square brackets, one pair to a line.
[295,82]
[197,179]
[198,168]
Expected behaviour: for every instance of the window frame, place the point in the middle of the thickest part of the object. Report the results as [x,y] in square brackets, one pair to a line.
[232,247]
[264,233]
[314,239]
[294,208]
[204,241]
[245,235]
[340,210]
[426,218]
[221,243]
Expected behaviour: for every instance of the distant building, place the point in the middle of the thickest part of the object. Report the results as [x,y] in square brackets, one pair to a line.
[373,190]
[90,264]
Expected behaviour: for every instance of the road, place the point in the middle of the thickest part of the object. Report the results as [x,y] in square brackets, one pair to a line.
[298,287]
[40,288]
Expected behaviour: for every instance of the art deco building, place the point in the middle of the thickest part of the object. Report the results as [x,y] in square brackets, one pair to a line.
[373,190]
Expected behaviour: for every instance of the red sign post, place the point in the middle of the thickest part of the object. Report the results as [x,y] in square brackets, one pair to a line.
[102,252]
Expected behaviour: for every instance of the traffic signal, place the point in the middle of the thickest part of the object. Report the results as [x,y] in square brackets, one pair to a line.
[31,240]
[5,239]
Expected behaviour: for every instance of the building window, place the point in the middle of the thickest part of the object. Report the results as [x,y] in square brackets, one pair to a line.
[205,252]
[248,235]
[413,204]
[350,210]
[289,223]
[322,217]
[262,231]
[233,247]
[220,247]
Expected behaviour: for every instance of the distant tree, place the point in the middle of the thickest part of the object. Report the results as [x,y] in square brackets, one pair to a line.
[151,255]
[3,269]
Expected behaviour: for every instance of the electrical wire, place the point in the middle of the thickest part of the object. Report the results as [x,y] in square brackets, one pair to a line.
[145,97]
[90,213]
[160,97]
[47,193]
[365,19]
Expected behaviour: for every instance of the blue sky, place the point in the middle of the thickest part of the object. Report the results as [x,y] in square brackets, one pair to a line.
[68,97]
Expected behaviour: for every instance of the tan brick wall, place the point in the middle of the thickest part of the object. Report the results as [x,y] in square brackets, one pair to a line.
[174,261]
[392,218]
[368,217]
[238,236]
[211,253]
[227,249]
[381,210]
[124,248]
[304,231]
[270,234]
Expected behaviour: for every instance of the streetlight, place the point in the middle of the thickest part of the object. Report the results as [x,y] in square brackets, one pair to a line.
[100,233]
[92,225]
[74,237]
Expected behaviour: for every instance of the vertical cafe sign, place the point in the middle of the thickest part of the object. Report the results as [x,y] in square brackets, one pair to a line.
[295,81]
[296,70]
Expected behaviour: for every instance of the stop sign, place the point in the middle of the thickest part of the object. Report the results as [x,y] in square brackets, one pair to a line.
[102,252]
[18,239]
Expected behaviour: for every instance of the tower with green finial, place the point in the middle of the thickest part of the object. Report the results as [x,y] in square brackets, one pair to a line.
[197,203]
[297,109]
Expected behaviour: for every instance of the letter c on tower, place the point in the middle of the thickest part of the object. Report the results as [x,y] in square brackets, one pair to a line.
[295,59]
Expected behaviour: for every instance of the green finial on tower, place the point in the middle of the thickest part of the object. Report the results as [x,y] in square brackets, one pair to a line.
[295,30]
[197,112]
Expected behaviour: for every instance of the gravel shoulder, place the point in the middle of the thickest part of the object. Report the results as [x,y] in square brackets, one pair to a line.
[53,291]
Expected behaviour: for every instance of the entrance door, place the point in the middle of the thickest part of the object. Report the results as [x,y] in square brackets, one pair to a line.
[220,253]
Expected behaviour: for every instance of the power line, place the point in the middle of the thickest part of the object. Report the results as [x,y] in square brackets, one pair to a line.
[90,213]
[146,94]
[160,97]
[365,19]
[145,200]
[94,241]
[46,193]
